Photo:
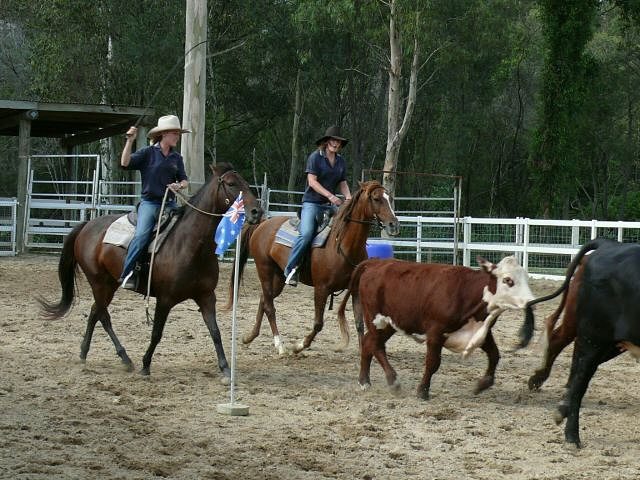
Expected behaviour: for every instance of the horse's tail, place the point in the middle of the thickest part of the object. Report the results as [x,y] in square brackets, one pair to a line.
[342,322]
[354,292]
[67,269]
[526,332]
[245,236]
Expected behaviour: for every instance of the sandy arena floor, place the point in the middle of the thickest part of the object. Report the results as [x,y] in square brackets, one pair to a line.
[308,418]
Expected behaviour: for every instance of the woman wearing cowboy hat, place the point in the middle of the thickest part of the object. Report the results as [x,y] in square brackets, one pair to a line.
[326,173]
[160,166]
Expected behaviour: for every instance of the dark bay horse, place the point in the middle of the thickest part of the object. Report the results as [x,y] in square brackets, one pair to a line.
[186,266]
[330,267]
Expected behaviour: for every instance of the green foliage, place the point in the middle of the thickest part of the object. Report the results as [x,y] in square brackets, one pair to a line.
[533,102]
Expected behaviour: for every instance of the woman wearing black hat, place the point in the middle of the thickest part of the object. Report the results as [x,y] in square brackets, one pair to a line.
[326,174]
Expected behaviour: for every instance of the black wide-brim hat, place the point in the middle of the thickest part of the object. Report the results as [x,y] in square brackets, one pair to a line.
[333,132]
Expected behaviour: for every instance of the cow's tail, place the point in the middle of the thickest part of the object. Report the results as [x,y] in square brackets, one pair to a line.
[526,332]
[67,269]
[245,236]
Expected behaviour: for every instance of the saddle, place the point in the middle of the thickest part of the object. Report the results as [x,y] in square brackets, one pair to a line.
[122,230]
[289,231]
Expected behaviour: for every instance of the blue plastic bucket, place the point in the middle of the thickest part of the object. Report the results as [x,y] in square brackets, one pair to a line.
[379,250]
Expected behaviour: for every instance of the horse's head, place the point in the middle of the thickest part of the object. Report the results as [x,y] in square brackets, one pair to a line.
[229,185]
[379,206]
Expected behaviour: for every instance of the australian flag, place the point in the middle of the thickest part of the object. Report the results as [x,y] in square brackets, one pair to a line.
[230,226]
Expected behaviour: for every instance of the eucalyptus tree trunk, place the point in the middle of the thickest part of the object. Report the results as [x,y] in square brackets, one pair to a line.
[293,167]
[193,111]
[397,121]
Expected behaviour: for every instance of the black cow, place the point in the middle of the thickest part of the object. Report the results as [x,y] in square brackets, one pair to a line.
[608,319]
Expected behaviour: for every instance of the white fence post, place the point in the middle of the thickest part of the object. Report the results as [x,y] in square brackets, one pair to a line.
[419,239]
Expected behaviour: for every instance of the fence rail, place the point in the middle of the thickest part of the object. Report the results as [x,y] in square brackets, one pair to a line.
[543,247]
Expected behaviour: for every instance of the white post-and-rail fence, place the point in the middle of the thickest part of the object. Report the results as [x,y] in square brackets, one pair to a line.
[433,234]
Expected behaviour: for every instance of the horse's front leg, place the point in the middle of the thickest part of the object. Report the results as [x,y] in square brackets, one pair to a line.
[207,306]
[320,299]
[159,320]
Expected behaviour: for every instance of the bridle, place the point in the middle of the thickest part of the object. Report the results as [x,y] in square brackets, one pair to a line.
[220,182]
[375,222]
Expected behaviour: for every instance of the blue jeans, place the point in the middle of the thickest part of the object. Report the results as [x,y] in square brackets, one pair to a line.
[308,224]
[148,212]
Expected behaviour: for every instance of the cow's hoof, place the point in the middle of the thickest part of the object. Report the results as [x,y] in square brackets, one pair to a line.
[484,383]
[560,414]
[535,382]
[573,440]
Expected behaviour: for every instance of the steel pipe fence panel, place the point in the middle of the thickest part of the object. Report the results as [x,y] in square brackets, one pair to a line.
[55,204]
[8,220]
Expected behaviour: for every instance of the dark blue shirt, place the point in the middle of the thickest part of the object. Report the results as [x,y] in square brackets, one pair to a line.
[157,171]
[329,177]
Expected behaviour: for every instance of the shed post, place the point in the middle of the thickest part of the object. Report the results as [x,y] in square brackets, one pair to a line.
[24,151]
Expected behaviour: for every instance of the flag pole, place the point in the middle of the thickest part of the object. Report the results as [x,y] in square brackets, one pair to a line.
[233,408]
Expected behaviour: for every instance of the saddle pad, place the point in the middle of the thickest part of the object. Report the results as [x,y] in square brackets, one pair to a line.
[287,234]
[121,232]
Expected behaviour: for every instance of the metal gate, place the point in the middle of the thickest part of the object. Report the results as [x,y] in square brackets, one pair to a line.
[8,220]
[54,203]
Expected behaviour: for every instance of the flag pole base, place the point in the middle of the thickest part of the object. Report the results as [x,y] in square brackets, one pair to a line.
[233,409]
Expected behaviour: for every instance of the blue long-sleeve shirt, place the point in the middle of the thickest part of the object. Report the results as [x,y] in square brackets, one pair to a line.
[157,171]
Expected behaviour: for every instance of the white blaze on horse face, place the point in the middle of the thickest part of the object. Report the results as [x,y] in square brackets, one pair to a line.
[512,290]
[385,195]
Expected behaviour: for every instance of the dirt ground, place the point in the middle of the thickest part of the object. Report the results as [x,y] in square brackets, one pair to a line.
[60,418]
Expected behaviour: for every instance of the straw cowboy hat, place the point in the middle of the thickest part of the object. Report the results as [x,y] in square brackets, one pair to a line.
[166,123]
[333,132]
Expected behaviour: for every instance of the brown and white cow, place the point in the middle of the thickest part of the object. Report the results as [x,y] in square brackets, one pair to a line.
[442,305]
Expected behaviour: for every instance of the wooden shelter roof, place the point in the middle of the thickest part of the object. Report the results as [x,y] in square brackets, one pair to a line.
[73,123]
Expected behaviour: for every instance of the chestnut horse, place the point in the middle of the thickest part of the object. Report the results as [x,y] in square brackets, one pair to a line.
[329,268]
[186,266]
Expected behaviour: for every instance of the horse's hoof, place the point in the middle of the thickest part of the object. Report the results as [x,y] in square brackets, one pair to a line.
[484,383]
[299,347]
[145,371]
[395,387]
[423,393]
[364,386]
[226,381]
[246,339]
[128,366]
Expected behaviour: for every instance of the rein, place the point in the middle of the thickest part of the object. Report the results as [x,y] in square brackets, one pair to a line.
[155,239]
[211,214]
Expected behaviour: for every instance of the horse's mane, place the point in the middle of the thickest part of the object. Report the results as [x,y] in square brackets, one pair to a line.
[342,217]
